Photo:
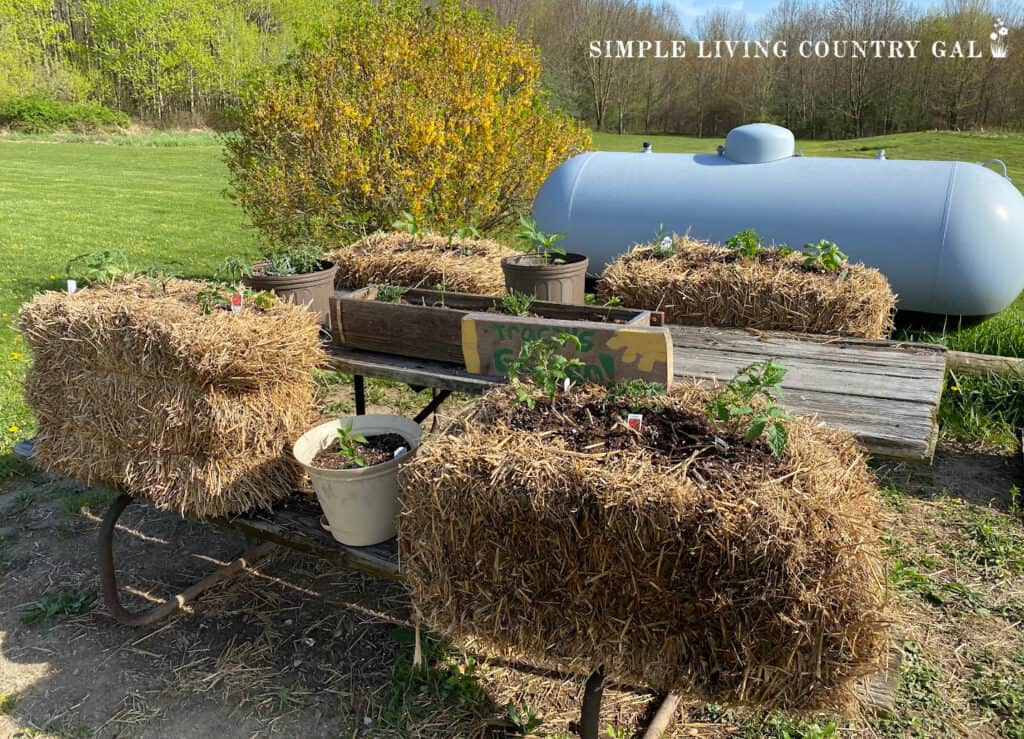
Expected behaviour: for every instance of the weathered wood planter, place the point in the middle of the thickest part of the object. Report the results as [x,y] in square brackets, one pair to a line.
[474,331]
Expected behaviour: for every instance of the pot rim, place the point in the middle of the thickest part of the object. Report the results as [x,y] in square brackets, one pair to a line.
[327,430]
[530,260]
[324,264]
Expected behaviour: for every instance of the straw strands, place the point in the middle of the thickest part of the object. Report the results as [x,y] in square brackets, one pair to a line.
[756,583]
[135,388]
[422,260]
[704,284]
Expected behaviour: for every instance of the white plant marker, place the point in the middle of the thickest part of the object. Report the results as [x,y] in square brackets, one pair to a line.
[72,286]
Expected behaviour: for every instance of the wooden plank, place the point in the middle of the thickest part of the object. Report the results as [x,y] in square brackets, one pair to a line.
[877,692]
[420,372]
[609,352]
[968,363]
[829,350]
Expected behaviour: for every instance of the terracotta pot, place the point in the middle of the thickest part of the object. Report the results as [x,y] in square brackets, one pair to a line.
[313,289]
[561,282]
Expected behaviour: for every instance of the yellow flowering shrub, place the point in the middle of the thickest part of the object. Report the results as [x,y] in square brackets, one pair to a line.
[435,111]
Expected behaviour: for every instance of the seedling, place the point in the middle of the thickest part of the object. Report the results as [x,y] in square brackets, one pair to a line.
[517,303]
[53,606]
[824,256]
[348,445]
[522,717]
[233,269]
[464,233]
[441,288]
[212,296]
[750,400]
[637,394]
[409,223]
[543,243]
[541,362]
[388,293]
[101,266]
[746,244]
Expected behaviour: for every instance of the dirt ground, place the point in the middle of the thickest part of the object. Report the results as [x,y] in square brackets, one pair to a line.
[302,648]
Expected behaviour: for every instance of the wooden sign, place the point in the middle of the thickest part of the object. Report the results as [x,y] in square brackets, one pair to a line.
[609,352]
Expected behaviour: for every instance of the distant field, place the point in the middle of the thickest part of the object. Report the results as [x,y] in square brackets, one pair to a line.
[158,197]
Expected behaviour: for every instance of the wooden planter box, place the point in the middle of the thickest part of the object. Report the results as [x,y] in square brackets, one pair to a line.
[419,327]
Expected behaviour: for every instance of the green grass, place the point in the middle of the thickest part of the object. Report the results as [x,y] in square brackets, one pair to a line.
[159,200]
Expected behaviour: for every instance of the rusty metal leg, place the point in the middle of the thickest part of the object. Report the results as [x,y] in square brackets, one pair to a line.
[108,576]
[590,715]
[359,389]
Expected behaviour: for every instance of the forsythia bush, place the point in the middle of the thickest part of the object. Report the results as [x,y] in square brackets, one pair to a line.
[435,111]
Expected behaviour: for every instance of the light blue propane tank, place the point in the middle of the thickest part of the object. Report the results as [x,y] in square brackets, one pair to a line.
[949,236]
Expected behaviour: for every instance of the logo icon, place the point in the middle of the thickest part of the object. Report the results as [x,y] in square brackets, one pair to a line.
[997,39]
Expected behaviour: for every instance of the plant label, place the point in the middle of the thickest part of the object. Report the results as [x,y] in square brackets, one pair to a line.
[635,421]
[72,286]
[400,452]
[236,302]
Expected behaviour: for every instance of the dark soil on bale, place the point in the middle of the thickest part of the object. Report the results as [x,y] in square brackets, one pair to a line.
[671,435]
[377,449]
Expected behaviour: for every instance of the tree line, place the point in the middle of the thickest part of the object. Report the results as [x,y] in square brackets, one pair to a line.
[187,61]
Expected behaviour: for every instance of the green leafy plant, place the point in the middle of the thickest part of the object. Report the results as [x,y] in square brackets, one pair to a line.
[211,297]
[1016,509]
[464,233]
[158,278]
[824,256]
[637,394]
[516,303]
[544,244]
[617,732]
[7,703]
[101,266]
[299,258]
[541,363]
[348,445]
[389,293]
[750,400]
[522,717]
[233,269]
[410,223]
[746,244]
[54,606]
[664,245]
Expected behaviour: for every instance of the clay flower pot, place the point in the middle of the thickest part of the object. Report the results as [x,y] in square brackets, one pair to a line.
[564,281]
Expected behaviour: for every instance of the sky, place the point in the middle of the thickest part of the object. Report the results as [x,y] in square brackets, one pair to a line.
[690,10]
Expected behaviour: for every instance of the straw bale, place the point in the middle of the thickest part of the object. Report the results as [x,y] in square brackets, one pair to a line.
[704,284]
[422,260]
[747,582]
[135,388]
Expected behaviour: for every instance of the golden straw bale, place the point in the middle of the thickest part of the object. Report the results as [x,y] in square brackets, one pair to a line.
[422,260]
[704,284]
[134,387]
[742,582]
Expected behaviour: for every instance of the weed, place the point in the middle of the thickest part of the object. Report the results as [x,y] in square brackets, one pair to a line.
[746,244]
[749,400]
[664,248]
[1002,693]
[100,266]
[7,703]
[517,303]
[348,445]
[443,289]
[54,606]
[388,293]
[791,727]
[983,410]
[522,717]
[22,503]
[617,732]
[1016,509]
[997,549]
[93,499]
[439,678]
[541,362]
[543,243]
[894,498]
[824,256]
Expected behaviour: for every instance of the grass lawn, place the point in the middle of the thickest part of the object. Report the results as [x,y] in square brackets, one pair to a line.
[160,203]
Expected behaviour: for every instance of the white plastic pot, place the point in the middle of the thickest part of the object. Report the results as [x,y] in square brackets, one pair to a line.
[361,505]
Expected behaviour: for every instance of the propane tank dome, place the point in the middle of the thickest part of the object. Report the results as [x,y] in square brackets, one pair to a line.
[757,143]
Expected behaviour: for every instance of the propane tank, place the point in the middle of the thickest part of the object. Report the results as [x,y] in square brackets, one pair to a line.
[949,236]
